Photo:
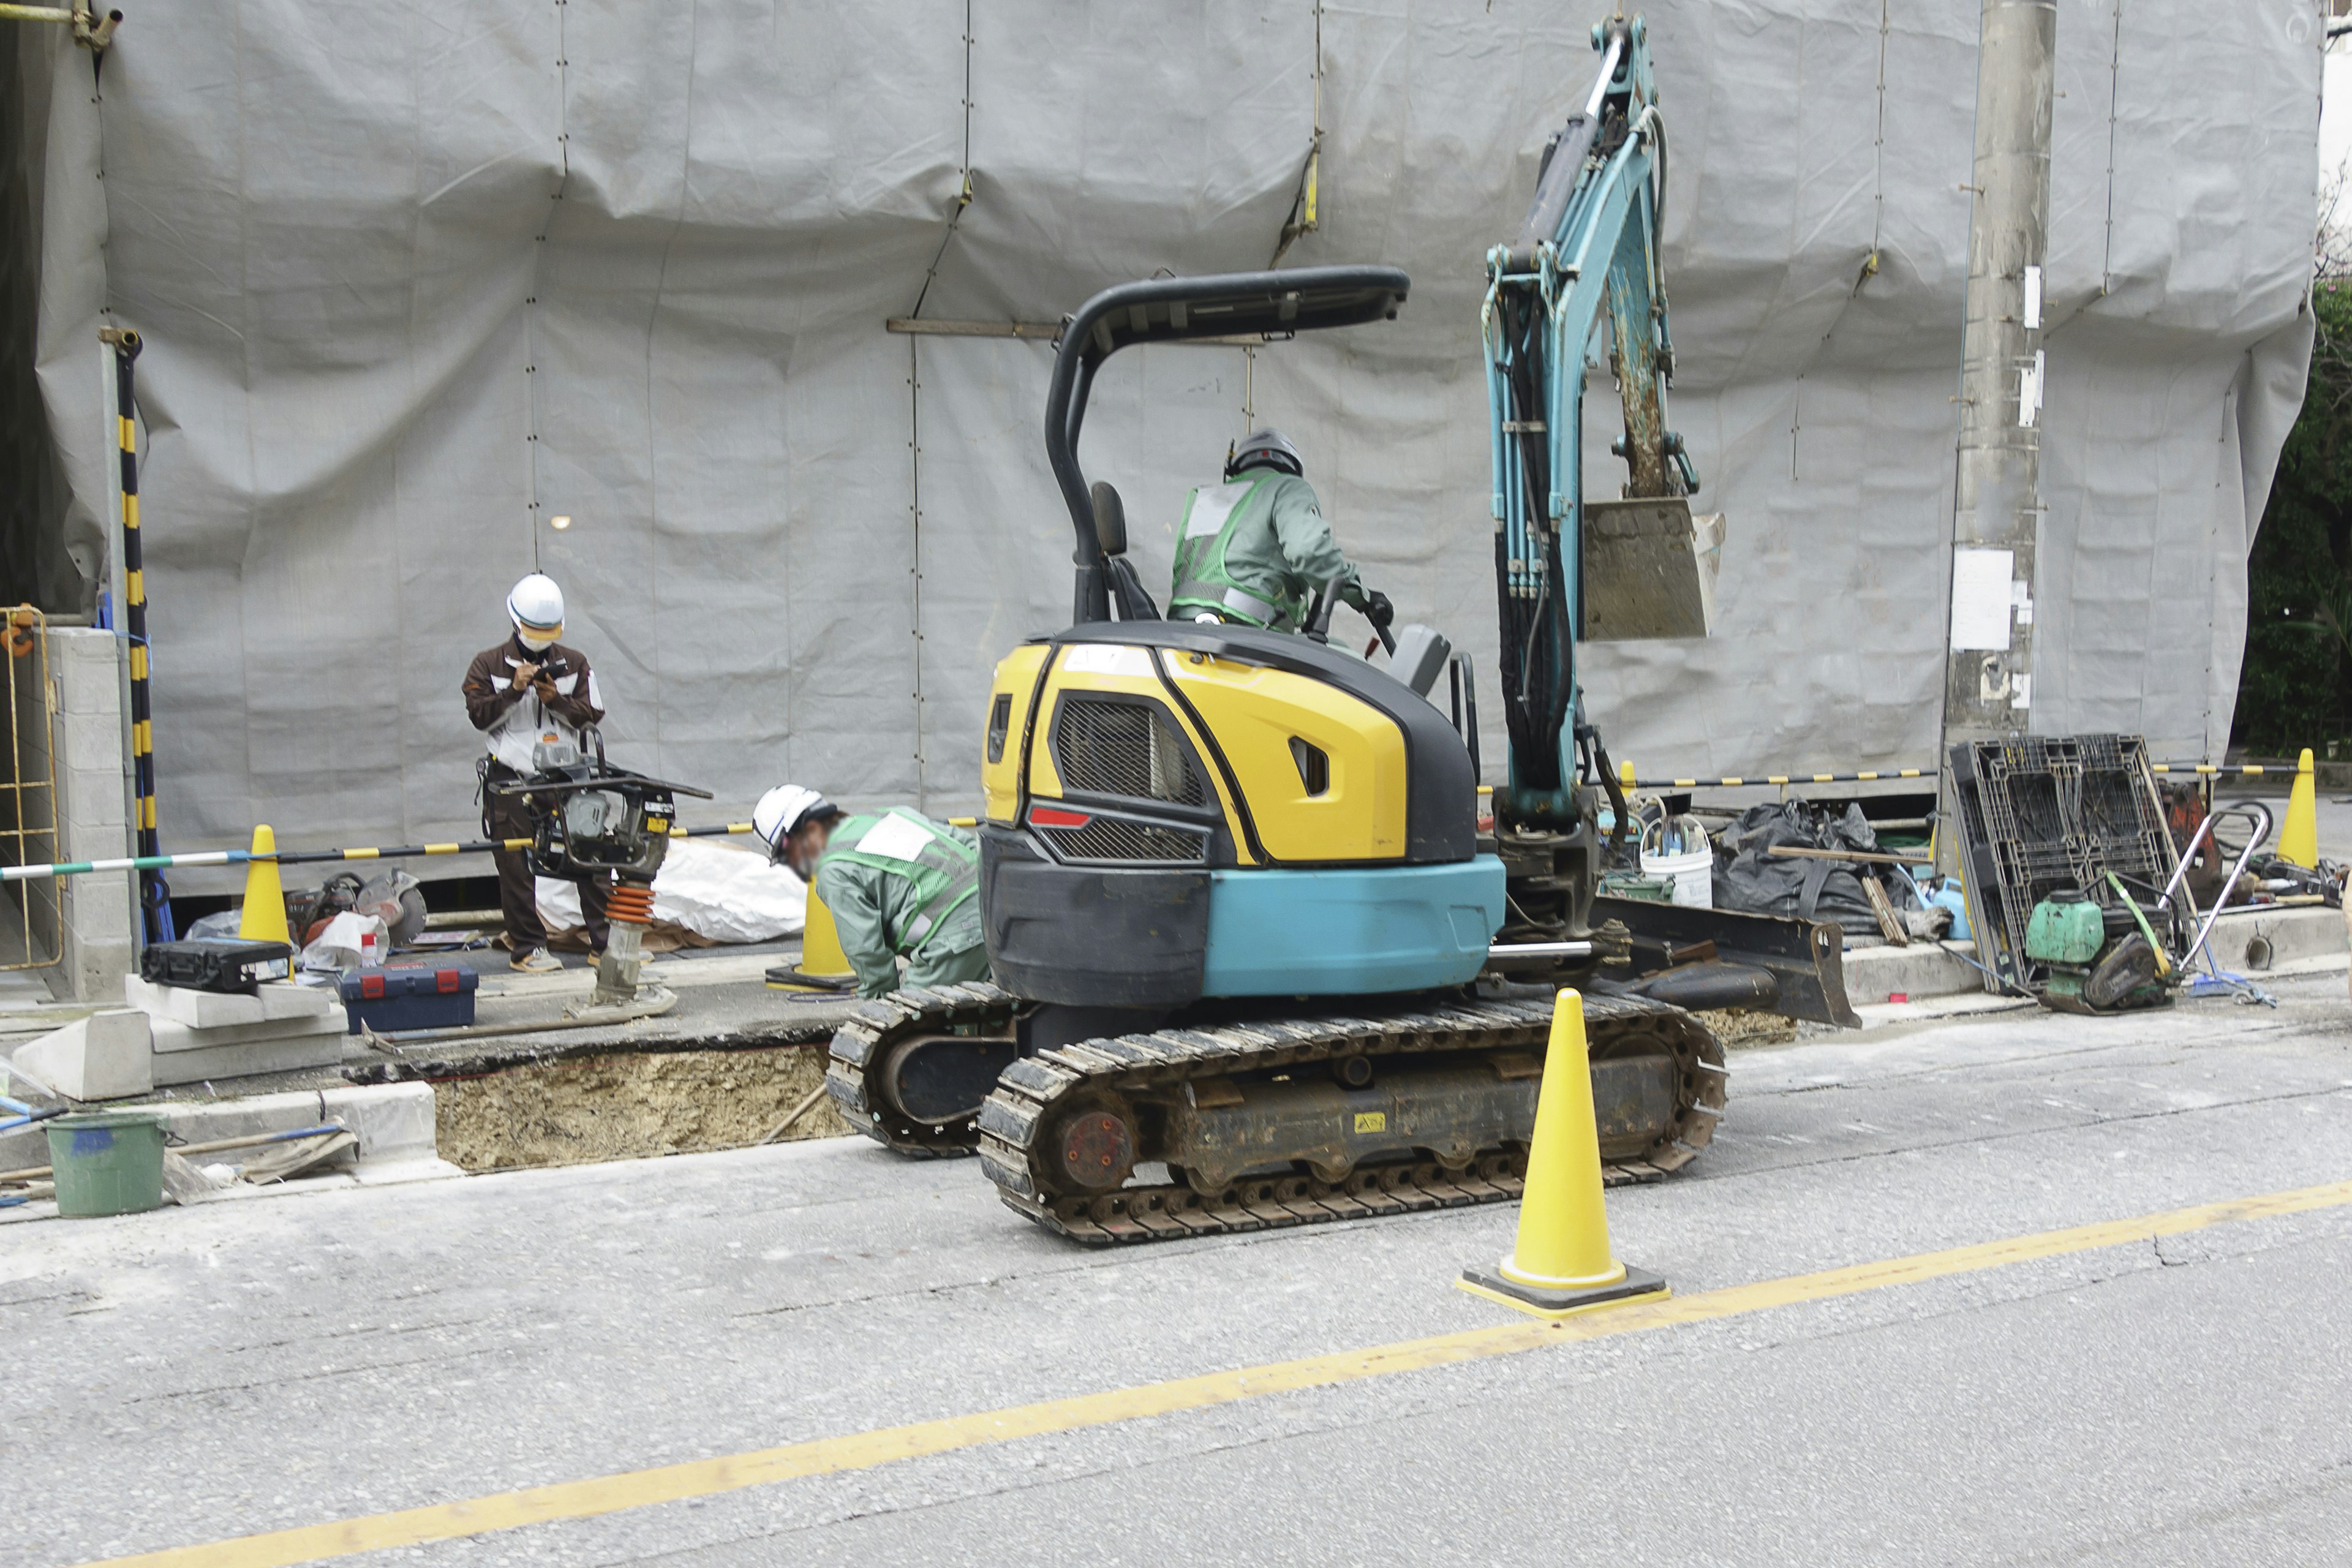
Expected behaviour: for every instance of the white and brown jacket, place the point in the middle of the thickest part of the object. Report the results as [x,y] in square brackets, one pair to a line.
[513,722]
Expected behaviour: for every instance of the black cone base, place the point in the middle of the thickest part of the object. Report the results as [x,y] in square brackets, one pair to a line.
[1638,1285]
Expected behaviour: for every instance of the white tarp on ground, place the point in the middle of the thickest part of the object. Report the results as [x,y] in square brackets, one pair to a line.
[714,890]
[413,277]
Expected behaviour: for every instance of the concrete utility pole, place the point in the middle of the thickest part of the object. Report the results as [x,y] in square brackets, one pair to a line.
[1997,507]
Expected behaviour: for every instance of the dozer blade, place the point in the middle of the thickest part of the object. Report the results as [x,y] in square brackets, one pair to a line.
[1806,959]
[1649,568]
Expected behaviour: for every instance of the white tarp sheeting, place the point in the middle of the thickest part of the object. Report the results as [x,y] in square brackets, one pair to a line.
[413,279]
[713,889]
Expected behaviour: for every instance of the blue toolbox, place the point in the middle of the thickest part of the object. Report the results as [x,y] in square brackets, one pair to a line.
[409,997]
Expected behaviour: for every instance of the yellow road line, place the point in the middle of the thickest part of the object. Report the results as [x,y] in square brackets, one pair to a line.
[864,1450]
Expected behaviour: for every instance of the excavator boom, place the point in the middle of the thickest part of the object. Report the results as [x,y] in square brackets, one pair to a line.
[1567,567]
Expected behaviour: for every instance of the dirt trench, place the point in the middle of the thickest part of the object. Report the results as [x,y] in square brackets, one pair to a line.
[630,1105]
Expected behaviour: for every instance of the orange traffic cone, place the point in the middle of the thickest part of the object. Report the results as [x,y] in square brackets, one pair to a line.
[1562,1263]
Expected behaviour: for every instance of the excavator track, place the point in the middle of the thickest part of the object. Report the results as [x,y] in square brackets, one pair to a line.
[1047,1108]
[862,1050]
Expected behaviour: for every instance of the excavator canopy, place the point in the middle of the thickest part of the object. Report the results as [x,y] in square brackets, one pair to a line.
[1245,307]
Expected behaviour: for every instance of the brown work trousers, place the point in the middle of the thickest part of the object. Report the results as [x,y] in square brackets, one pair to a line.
[519,898]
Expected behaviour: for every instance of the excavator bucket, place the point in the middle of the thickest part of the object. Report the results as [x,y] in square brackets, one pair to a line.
[1649,568]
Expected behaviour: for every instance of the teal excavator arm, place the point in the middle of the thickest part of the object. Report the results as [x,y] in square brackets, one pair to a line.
[1588,248]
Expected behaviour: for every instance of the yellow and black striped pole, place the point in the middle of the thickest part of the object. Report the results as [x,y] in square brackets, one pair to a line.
[154,895]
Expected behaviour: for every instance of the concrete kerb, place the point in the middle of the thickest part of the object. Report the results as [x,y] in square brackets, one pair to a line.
[393,1123]
[2301,940]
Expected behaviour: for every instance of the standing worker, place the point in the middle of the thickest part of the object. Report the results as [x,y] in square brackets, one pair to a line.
[527,692]
[1255,548]
[898,884]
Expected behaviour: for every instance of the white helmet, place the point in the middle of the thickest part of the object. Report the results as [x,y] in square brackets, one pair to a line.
[784,810]
[536,607]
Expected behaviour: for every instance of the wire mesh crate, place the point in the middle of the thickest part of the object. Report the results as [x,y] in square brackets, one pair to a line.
[2040,815]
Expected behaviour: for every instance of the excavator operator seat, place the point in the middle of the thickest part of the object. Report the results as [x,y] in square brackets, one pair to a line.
[1127,594]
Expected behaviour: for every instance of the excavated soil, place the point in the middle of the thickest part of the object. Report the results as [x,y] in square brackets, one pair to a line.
[630,1105]
[1737,1026]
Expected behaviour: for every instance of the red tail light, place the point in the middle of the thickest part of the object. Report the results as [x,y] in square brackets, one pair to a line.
[1054,817]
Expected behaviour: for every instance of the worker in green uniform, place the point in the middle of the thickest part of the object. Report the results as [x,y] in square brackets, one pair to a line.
[898,884]
[1256,547]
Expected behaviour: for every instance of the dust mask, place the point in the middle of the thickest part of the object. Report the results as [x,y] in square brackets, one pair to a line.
[536,645]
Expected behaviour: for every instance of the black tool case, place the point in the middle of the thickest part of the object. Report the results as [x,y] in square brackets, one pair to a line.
[200,965]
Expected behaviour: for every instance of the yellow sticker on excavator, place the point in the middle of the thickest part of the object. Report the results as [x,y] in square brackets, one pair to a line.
[1371,1121]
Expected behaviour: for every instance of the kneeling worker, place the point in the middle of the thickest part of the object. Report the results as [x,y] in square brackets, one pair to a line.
[898,886]
[1256,547]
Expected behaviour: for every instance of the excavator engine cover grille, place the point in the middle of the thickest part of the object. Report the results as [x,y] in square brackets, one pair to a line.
[1123,749]
[1111,838]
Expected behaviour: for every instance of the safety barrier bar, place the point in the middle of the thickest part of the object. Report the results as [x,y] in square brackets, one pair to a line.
[1626,778]
[305,857]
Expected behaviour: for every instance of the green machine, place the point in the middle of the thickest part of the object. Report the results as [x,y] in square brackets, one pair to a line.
[2102,958]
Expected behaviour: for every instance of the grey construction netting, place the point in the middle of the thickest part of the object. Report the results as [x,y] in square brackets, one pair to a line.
[413,279]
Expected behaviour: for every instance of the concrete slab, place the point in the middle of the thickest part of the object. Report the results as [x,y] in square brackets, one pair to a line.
[274,1002]
[252,1058]
[171,1037]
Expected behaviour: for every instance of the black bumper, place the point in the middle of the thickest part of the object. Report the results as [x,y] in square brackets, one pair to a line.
[1085,936]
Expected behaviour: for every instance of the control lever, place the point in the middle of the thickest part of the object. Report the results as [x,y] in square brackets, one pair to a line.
[1318,613]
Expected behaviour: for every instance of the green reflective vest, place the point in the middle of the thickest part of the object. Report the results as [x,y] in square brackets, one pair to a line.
[1212,516]
[941,872]
[1253,550]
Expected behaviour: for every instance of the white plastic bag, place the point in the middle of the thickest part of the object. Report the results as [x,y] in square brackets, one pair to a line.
[340,944]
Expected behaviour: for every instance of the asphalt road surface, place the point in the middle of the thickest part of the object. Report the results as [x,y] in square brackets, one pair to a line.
[197,1376]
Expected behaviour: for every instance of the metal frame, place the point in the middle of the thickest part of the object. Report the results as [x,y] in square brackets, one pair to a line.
[1265,305]
[29,806]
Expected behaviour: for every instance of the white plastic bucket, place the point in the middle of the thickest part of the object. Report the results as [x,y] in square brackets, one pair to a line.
[1692,869]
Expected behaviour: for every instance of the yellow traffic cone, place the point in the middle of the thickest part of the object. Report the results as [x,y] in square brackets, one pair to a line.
[1562,1263]
[2299,836]
[264,916]
[821,960]
[821,953]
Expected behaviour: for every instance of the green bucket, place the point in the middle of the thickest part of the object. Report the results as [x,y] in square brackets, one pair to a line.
[107,1163]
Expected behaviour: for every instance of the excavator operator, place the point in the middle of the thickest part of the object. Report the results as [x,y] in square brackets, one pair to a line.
[1256,547]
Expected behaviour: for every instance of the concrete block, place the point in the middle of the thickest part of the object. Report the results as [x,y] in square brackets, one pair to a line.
[1923,969]
[393,1121]
[106,1056]
[99,906]
[217,1064]
[83,645]
[89,970]
[93,799]
[276,1002]
[90,745]
[170,1036]
[88,681]
[2297,936]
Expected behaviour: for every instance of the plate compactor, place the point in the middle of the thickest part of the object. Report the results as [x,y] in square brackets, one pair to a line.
[1256,960]
[591,819]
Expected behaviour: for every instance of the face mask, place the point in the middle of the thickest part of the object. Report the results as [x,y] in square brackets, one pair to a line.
[536,645]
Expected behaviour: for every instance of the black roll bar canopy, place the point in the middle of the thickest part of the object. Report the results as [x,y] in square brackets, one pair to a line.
[1262,305]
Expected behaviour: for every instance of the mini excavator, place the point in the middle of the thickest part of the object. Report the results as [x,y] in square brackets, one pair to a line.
[1256,960]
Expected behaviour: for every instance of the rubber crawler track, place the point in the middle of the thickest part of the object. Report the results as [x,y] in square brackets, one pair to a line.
[1024,1105]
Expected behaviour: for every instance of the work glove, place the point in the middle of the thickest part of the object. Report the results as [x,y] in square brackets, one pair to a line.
[1377,610]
